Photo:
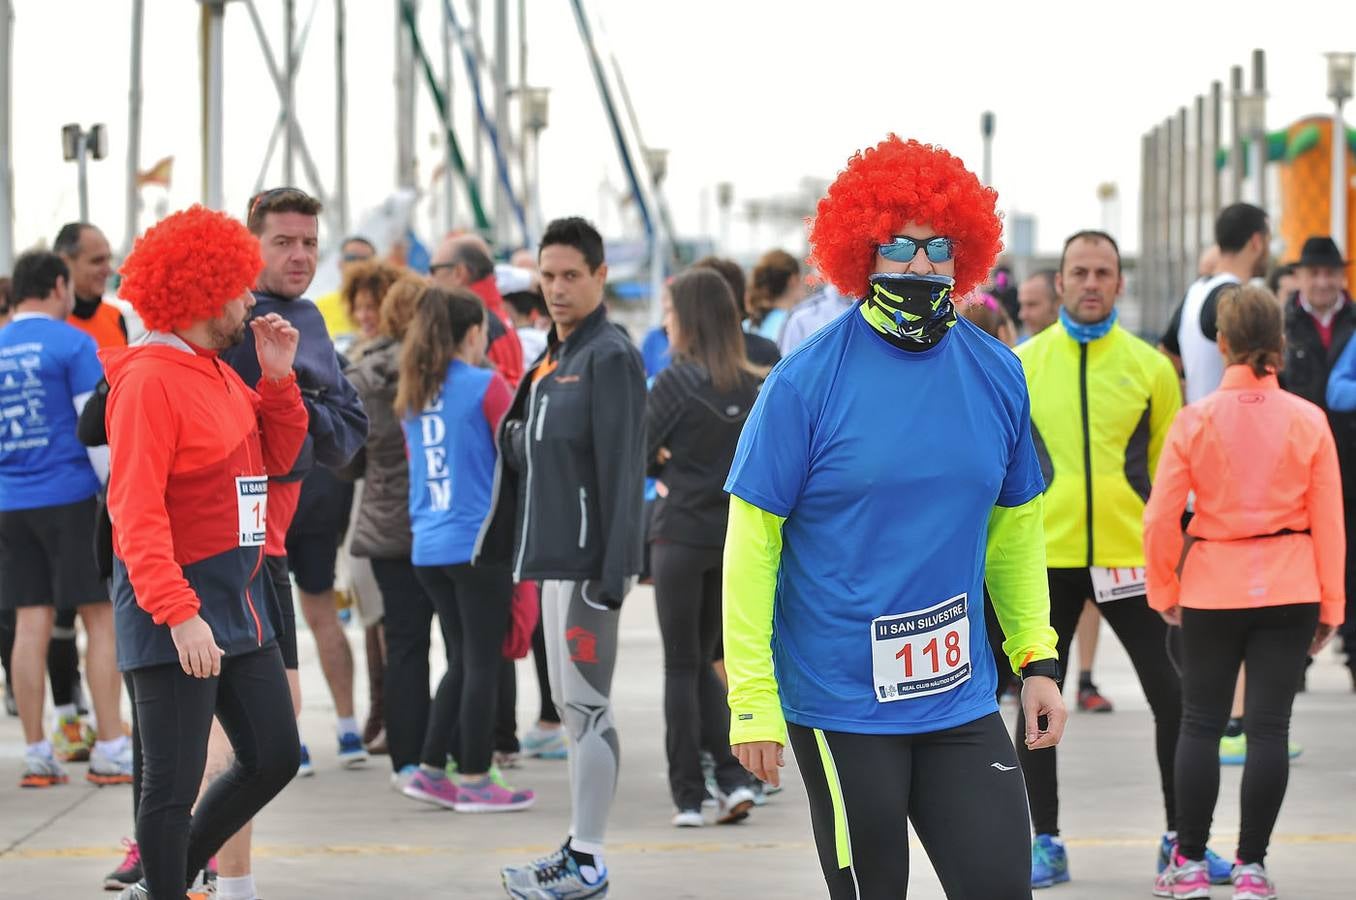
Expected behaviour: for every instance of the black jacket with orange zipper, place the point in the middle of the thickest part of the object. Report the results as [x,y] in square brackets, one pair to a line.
[570,482]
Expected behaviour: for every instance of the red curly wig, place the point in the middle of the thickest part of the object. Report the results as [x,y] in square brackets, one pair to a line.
[188,266]
[894,183]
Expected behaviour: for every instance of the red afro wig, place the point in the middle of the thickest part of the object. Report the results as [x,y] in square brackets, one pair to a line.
[894,183]
[188,266]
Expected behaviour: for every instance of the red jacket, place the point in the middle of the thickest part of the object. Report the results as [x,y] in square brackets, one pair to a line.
[183,431]
[505,350]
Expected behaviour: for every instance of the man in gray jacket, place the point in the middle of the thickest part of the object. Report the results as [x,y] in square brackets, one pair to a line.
[567,512]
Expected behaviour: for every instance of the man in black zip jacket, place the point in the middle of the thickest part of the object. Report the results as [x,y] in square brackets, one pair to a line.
[567,512]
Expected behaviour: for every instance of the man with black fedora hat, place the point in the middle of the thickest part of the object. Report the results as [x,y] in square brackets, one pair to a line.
[1320,366]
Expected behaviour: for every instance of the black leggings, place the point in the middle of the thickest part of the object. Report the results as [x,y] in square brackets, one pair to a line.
[548,708]
[687,595]
[1143,633]
[961,788]
[407,619]
[63,658]
[174,717]
[473,611]
[1273,641]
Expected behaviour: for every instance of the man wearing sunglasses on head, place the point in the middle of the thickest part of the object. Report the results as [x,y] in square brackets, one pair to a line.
[886,474]
[1102,401]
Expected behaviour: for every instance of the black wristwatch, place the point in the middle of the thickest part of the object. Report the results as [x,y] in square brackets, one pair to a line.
[1047,667]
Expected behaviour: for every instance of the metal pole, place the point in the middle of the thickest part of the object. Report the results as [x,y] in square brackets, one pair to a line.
[404,78]
[477,132]
[501,115]
[1186,264]
[1165,262]
[1259,137]
[6,176]
[1236,155]
[289,90]
[1216,141]
[1338,225]
[449,183]
[82,176]
[1145,216]
[215,13]
[1201,174]
[527,161]
[340,117]
[134,131]
[986,123]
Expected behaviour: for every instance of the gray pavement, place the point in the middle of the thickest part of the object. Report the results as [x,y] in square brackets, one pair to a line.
[346,834]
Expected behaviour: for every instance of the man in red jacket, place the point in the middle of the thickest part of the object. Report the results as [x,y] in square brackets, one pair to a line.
[463,262]
[191,451]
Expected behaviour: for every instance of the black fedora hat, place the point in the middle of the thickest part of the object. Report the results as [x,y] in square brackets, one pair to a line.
[1321,251]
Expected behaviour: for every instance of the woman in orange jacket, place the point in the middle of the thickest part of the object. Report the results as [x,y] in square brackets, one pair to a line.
[1261,582]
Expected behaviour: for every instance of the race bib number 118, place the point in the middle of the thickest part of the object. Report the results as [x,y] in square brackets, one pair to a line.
[920,653]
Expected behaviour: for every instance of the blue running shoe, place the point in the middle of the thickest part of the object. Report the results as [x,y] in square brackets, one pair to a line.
[352,753]
[1049,862]
[305,770]
[555,877]
[1221,870]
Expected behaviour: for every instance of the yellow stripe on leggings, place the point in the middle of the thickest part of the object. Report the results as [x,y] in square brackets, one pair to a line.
[840,829]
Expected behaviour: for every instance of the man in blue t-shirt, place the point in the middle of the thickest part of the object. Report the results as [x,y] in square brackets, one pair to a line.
[48,483]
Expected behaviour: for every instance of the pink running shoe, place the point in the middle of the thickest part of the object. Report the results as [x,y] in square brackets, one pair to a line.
[1251,882]
[428,788]
[491,798]
[1183,879]
[128,871]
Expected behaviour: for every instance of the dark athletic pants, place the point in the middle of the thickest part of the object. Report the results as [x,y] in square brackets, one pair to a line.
[1143,633]
[687,592]
[174,717]
[63,659]
[407,618]
[473,611]
[548,708]
[961,788]
[1274,642]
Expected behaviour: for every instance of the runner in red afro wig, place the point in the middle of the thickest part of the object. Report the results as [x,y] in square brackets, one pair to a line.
[894,183]
[188,267]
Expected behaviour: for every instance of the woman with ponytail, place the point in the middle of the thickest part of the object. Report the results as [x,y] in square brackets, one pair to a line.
[450,406]
[773,290]
[1261,583]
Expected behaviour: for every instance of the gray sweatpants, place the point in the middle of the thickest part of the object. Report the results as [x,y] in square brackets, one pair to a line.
[581,654]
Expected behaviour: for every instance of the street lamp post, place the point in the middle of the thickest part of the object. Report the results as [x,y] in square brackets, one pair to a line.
[1251,119]
[1340,66]
[536,113]
[657,161]
[986,123]
[78,146]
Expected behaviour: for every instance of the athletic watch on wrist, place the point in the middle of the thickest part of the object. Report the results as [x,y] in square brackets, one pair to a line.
[1047,667]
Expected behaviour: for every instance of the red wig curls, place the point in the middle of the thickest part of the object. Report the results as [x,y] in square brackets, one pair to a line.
[894,183]
[188,266]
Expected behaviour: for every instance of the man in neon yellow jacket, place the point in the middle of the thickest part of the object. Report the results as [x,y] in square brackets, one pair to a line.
[1102,402]
[885,474]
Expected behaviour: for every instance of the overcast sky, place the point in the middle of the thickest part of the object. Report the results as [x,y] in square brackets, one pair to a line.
[758,93]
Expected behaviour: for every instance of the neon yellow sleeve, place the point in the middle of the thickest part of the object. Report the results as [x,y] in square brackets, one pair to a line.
[1165,399]
[753,553]
[1015,572]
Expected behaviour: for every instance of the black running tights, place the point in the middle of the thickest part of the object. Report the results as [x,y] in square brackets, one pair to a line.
[961,788]
[1273,641]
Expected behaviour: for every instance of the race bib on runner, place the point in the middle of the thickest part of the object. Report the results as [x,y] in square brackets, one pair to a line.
[1116,584]
[919,653]
[251,494]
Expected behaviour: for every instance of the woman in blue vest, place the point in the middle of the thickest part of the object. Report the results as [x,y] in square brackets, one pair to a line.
[450,406]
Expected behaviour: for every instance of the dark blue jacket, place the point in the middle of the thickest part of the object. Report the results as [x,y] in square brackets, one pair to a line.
[338,423]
